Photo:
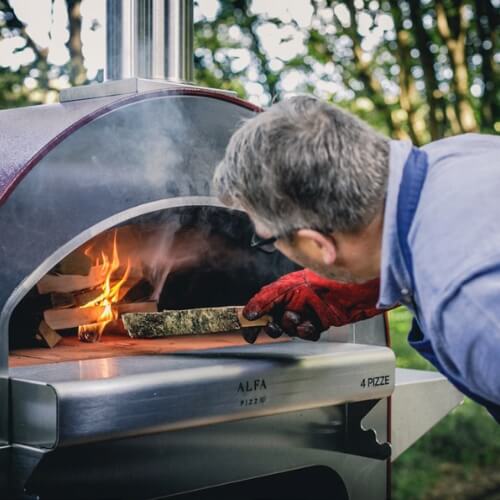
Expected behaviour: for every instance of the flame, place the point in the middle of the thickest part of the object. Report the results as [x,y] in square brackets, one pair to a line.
[110,294]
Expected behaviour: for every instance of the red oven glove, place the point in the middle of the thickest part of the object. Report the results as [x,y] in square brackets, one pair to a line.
[304,304]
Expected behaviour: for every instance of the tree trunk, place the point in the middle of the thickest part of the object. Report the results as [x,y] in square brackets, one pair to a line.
[435,99]
[453,119]
[452,26]
[372,85]
[408,92]
[489,106]
[77,72]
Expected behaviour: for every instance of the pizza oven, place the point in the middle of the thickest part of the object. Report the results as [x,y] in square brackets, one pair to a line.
[106,207]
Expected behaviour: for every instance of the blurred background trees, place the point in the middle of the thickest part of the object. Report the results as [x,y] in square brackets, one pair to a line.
[419,69]
[35,79]
[414,68]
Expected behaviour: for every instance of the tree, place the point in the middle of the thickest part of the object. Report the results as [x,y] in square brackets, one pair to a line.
[13,88]
[413,68]
[419,69]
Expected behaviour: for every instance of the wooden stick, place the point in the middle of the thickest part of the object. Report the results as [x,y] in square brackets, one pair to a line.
[60,319]
[68,299]
[62,300]
[50,337]
[189,322]
[62,283]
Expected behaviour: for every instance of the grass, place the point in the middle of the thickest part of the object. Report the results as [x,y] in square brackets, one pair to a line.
[463,447]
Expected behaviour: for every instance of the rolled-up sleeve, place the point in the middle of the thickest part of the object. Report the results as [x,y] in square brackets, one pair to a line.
[467,333]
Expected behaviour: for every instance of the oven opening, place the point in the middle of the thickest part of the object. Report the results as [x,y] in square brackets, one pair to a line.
[179,258]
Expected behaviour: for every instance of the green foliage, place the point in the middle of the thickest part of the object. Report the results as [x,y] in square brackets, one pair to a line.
[11,90]
[468,439]
[415,61]
[406,356]
[14,90]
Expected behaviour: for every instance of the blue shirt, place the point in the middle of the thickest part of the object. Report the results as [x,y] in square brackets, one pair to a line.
[455,245]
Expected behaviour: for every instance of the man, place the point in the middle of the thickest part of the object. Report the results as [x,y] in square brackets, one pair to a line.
[350,205]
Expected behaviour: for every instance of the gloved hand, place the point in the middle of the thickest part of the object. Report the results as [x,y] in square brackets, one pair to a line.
[304,304]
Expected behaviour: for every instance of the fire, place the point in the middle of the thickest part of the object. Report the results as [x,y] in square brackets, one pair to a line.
[110,294]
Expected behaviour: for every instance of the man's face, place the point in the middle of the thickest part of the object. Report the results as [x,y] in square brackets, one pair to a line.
[306,253]
[338,256]
[311,260]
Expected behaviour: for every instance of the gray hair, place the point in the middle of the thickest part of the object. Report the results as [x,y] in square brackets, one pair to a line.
[304,163]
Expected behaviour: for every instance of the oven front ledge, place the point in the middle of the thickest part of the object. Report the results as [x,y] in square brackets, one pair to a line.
[76,402]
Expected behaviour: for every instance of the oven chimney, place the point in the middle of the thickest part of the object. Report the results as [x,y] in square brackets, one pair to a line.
[149,39]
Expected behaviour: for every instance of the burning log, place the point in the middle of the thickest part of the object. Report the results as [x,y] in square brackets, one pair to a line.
[72,283]
[60,319]
[93,301]
[80,298]
[188,322]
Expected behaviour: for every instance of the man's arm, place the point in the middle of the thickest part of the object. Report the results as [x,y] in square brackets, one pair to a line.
[467,333]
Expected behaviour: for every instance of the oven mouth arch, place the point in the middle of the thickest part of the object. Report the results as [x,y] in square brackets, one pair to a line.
[144,209]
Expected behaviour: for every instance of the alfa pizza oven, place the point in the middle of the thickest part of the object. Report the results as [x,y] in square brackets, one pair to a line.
[106,208]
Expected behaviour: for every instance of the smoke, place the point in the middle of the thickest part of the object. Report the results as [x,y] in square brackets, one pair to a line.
[192,254]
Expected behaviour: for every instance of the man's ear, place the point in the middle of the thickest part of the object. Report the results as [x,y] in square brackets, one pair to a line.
[321,245]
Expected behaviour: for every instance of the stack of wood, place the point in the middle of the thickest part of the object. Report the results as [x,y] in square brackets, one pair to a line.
[76,282]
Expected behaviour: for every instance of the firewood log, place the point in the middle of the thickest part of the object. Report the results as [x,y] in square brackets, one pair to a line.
[60,319]
[188,322]
[62,300]
[63,283]
[74,263]
[48,336]
[80,298]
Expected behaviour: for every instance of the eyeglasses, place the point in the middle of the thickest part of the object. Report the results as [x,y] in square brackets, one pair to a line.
[264,244]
